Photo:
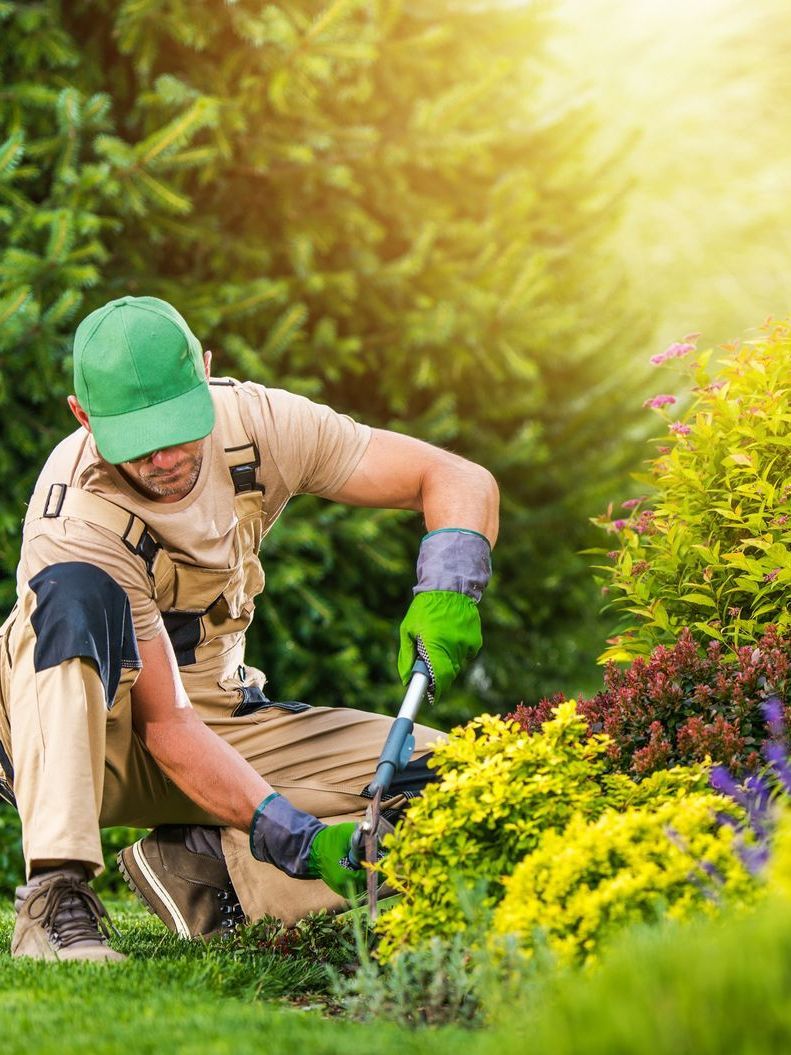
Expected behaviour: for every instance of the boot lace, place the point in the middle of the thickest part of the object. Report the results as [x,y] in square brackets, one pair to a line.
[70,912]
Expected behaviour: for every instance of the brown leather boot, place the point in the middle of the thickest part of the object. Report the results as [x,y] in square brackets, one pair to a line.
[179,874]
[59,917]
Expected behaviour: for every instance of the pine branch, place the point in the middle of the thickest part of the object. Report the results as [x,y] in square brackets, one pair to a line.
[11,153]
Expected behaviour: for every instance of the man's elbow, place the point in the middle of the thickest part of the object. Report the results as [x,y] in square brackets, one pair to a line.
[490,493]
[484,486]
[489,486]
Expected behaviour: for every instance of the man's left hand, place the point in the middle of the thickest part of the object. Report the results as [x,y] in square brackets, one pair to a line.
[444,628]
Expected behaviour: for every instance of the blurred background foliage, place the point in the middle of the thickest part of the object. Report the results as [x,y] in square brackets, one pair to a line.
[468,221]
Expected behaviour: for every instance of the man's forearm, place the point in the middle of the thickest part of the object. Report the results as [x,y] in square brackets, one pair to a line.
[206,768]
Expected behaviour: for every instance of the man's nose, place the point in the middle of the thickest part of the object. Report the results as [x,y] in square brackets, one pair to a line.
[167,458]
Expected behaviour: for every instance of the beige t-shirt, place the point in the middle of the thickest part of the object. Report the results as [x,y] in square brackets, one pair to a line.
[305,448]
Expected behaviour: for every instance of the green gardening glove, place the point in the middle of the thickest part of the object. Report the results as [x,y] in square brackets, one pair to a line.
[442,624]
[304,847]
[444,628]
[328,851]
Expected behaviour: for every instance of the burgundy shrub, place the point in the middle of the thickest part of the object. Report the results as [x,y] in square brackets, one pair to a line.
[683,704]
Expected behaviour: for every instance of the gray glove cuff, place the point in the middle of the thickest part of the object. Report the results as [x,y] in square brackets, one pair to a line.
[282,835]
[454,559]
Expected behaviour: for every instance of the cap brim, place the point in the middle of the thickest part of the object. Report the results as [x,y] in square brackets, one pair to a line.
[126,437]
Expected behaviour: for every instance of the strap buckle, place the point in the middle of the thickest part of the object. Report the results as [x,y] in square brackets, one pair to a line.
[146,546]
[243,476]
[56,496]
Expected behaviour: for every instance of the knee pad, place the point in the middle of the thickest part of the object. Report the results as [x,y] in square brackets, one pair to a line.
[82,612]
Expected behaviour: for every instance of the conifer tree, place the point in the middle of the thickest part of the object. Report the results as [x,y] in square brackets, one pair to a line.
[380,205]
[52,234]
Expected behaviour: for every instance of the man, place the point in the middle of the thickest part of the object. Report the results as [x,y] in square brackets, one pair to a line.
[124,693]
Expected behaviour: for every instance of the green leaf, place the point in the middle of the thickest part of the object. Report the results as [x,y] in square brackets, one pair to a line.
[700,599]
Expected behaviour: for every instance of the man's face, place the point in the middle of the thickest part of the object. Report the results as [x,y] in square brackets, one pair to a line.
[166,475]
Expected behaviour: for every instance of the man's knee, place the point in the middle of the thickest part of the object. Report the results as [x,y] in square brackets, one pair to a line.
[82,612]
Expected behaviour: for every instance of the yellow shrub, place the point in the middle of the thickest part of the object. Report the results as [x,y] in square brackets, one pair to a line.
[501,790]
[579,886]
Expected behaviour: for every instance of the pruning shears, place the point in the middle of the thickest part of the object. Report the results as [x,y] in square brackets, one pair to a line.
[396,753]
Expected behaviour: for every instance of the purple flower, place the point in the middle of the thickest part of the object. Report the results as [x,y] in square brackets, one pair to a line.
[657,402]
[680,428]
[676,350]
[631,503]
[773,714]
[754,858]
[619,525]
[771,575]
[775,755]
[722,781]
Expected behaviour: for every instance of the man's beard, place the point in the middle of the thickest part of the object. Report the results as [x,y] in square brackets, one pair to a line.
[155,484]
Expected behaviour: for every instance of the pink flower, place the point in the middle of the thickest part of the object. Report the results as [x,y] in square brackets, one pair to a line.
[631,503]
[680,428]
[771,575]
[659,401]
[618,525]
[677,350]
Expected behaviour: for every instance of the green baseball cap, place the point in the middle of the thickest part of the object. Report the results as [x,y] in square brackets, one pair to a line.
[139,376]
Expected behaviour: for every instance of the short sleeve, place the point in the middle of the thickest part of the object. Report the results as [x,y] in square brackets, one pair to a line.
[53,541]
[315,448]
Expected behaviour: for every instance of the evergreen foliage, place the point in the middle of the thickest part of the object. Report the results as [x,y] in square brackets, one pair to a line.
[382,206]
[52,232]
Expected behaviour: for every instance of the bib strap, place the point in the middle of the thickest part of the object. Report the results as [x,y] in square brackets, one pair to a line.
[241,455]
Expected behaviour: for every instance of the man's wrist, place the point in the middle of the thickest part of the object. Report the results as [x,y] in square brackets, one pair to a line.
[282,835]
[454,559]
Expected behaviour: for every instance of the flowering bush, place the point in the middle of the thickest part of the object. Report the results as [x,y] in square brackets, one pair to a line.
[499,792]
[583,884]
[684,705]
[709,547]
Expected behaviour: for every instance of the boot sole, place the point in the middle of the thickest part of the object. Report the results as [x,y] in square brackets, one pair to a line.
[164,907]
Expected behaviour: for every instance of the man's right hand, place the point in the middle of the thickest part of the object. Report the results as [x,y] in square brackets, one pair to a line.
[303,847]
[329,860]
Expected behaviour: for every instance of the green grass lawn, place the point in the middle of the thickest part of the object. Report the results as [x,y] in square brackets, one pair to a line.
[705,989]
[186,997]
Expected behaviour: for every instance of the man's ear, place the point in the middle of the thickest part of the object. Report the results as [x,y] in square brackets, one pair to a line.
[207,363]
[79,413]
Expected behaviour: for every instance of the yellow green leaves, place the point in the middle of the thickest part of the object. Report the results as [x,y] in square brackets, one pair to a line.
[580,886]
[503,794]
[532,828]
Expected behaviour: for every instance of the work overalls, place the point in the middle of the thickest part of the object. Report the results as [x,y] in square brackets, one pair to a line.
[71,757]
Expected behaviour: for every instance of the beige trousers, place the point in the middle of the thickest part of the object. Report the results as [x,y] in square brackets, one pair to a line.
[79,766]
